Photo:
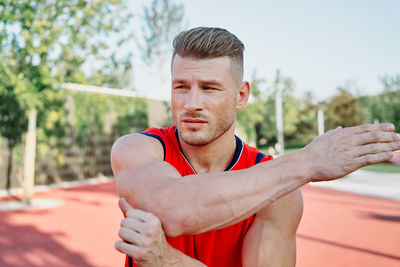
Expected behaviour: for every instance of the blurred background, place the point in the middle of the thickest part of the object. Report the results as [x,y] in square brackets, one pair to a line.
[61,58]
[75,75]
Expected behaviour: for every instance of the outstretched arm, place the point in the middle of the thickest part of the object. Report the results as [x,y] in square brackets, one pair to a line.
[200,203]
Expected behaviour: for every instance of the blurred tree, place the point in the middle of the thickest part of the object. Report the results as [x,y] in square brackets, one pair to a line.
[342,110]
[115,73]
[43,43]
[133,121]
[384,107]
[391,83]
[289,105]
[162,21]
[252,114]
[258,118]
[306,124]
[391,97]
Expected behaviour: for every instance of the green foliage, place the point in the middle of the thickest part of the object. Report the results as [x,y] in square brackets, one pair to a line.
[133,121]
[391,83]
[384,107]
[258,118]
[81,116]
[306,124]
[84,128]
[108,115]
[253,113]
[43,43]
[383,167]
[11,120]
[300,115]
[342,110]
[116,73]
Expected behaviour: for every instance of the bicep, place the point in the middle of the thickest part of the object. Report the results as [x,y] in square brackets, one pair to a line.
[139,169]
[271,239]
[134,151]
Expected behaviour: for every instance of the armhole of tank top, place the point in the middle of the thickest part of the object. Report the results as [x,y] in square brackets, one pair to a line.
[159,139]
[259,158]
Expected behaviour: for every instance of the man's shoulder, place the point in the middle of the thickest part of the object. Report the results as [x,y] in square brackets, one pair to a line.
[254,155]
[134,150]
[166,131]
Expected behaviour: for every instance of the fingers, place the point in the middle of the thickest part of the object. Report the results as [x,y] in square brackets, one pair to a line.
[133,224]
[141,215]
[142,237]
[377,148]
[135,221]
[129,249]
[373,158]
[131,236]
[386,127]
[140,254]
[124,205]
[375,137]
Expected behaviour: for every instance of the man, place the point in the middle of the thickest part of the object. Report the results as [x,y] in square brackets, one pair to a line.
[197,194]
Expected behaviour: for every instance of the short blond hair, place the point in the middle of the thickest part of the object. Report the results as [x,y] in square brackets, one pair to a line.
[207,42]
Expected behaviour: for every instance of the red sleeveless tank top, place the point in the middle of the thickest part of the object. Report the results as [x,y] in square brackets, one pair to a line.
[217,248]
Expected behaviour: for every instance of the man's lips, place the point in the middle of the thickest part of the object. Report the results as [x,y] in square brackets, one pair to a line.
[194,121]
[193,124]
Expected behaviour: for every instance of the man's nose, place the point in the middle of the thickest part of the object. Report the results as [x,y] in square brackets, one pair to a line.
[193,100]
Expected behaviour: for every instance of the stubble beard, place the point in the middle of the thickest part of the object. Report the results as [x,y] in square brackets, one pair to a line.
[214,131]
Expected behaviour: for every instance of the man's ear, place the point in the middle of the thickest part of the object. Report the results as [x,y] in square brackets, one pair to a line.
[242,95]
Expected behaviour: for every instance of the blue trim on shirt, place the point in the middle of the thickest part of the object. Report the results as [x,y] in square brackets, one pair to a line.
[130,262]
[259,157]
[183,155]
[236,156]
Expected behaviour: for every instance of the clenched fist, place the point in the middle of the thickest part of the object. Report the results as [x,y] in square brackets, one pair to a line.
[343,150]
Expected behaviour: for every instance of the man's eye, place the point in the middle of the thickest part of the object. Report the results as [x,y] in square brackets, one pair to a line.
[209,88]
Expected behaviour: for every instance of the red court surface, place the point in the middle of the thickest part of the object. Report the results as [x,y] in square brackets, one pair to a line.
[338,229]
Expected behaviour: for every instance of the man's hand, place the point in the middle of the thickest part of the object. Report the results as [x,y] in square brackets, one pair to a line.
[144,240]
[344,150]
[143,237]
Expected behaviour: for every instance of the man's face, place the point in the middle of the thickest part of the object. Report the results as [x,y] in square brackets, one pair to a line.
[203,98]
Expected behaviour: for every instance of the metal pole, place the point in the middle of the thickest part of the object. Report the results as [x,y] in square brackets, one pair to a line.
[321,126]
[279,121]
[29,158]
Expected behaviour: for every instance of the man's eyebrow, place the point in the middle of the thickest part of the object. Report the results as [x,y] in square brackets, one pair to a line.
[211,82]
[204,82]
[179,81]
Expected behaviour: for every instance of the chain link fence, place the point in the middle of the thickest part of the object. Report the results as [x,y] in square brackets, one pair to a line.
[74,142]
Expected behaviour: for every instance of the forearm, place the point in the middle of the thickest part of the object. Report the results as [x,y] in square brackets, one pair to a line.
[277,253]
[264,246]
[199,203]
[271,239]
[174,258]
[178,259]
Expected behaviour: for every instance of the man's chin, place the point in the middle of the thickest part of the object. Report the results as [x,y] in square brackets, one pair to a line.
[194,138]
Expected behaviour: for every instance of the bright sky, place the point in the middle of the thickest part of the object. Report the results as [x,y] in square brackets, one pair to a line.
[319,44]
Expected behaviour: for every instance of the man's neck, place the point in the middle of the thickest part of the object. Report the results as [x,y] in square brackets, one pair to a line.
[212,157]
